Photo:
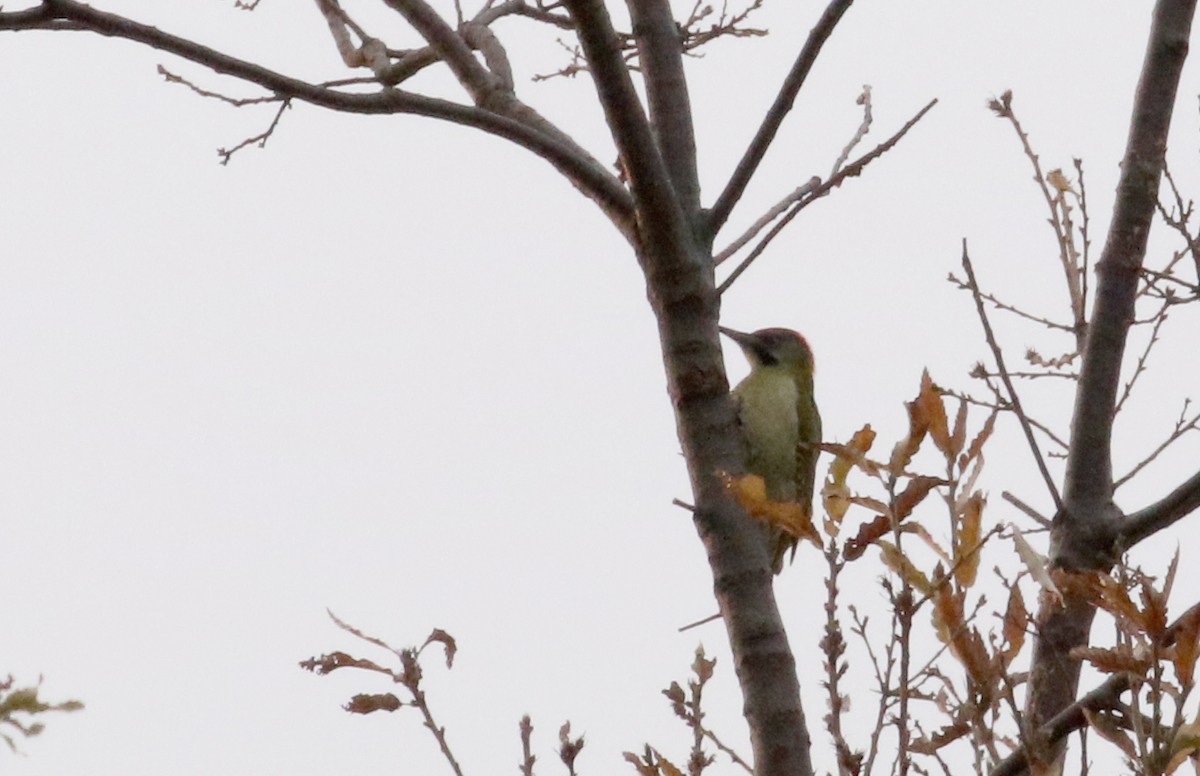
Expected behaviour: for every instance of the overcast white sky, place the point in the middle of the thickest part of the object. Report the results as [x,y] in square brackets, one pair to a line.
[401,370]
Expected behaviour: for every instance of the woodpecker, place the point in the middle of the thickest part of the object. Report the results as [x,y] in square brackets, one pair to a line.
[779,419]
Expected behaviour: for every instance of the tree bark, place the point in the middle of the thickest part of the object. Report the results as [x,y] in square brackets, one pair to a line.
[1086,530]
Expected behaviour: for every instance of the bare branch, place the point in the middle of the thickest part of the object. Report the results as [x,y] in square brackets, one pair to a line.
[851,170]
[1086,528]
[237,102]
[1182,426]
[260,139]
[1140,367]
[660,56]
[864,100]
[1029,511]
[1179,222]
[775,115]
[795,196]
[519,124]
[1013,398]
[1066,722]
[726,25]
[1105,697]
[1177,505]
[527,756]
[450,47]
[1059,214]
[1008,308]
[1089,467]
[640,157]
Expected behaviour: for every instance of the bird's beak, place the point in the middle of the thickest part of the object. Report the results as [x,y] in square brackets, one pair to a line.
[742,338]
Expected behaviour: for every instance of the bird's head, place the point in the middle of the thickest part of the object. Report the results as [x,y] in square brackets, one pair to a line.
[773,347]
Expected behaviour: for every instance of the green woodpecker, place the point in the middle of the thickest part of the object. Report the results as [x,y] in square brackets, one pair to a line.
[779,420]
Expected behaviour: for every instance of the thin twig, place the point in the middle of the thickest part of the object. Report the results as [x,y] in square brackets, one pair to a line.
[1180,224]
[1029,511]
[1057,206]
[1182,426]
[1031,375]
[796,195]
[1083,230]
[1012,392]
[854,169]
[1159,320]
[1004,406]
[864,100]
[261,138]
[779,109]
[527,756]
[723,747]
[999,305]
[237,102]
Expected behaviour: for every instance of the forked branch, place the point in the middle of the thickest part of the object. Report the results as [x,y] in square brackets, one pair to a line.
[1013,398]
[851,170]
[778,111]
[506,118]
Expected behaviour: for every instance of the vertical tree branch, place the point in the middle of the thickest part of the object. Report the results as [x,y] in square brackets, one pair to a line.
[1086,529]
[660,53]
[681,287]
[658,208]
[1089,464]
[1013,398]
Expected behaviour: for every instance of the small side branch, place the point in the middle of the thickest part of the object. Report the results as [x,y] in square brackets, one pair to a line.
[1177,505]
[851,170]
[1013,398]
[1182,426]
[1054,187]
[261,138]
[775,115]
[517,123]
[1066,722]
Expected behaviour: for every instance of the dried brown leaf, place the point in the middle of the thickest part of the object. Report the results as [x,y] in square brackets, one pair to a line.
[1036,563]
[894,558]
[702,666]
[836,494]
[980,439]
[1184,650]
[1185,744]
[1110,730]
[941,738]
[366,704]
[967,540]
[921,532]
[447,641]
[947,613]
[914,493]
[1154,611]
[1016,620]
[792,517]
[868,533]
[1114,660]
[930,401]
[644,768]
[1107,593]
[918,427]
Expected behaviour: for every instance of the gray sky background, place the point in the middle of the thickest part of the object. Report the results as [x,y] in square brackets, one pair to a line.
[401,370]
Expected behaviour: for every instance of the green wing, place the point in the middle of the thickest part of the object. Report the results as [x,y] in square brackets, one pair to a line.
[806,469]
